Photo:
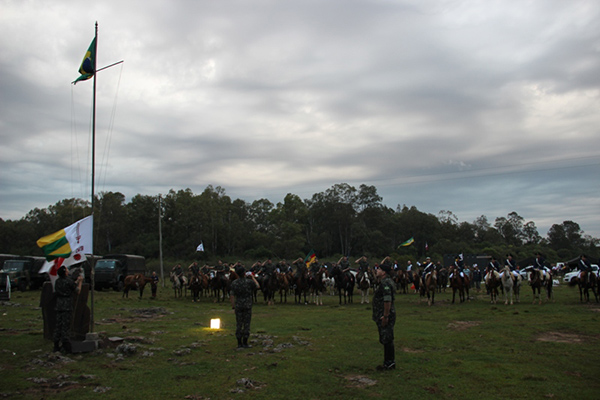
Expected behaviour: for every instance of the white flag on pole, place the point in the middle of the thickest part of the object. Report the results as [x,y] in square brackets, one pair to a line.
[200,247]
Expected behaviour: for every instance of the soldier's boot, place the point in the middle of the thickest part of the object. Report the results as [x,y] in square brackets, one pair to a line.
[56,346]
[246,345]
[240,345]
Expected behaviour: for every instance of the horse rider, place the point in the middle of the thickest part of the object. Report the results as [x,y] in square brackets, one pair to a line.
[194,269]
[409,271]
[493,266]
[429,267]
[584,266]
[511,264]
[178,271]
[459,265]
[363,266]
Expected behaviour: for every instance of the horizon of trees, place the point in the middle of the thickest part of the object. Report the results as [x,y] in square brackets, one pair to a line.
[342,220]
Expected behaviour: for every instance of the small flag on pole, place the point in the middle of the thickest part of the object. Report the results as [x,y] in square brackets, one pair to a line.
[426,246]
[200,247]
[87,65]
[407,243]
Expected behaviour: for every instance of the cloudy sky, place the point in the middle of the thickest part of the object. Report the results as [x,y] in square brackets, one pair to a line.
[476,107]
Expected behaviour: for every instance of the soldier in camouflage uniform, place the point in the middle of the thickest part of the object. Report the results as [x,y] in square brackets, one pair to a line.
[242,291]
[63,290]
[384,314]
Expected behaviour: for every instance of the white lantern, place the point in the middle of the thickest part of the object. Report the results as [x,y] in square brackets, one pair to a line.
[215,323]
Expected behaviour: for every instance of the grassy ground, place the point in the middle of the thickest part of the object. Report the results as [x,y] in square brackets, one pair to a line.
[474,350]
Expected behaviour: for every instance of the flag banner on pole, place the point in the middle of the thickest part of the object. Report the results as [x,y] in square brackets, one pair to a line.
[72,242]
[310,258]
[407,243]
[200,247]
[87,65]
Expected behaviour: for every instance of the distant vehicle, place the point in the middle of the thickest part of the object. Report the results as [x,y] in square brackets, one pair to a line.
[23,272]
[111,270]
[574,274]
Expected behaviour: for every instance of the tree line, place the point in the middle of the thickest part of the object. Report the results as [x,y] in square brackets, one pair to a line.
[342,220]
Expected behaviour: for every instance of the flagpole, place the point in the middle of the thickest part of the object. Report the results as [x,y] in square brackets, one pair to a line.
[93,268]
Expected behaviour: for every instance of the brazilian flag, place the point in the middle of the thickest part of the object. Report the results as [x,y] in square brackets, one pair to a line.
[87,65]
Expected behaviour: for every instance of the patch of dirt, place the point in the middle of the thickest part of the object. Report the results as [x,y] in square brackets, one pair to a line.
[359,381]
[462,325]
[407,350]
[559,337]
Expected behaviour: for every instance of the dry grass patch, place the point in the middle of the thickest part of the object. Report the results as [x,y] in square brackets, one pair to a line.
[559,337]
[462,325]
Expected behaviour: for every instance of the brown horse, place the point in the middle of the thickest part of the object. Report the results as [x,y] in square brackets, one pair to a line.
[195,287]
[135,282]
[459,284]
[401,280]
[492,282]
[535,280]
[585,285]
[344,283]
[364,284]
[430,285]
[284,285]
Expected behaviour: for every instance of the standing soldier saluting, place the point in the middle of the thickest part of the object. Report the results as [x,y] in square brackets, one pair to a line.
[64,287]
[384,313]
[242,290]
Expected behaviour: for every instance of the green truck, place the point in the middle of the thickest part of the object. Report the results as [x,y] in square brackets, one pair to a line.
[23,271]
[111,270]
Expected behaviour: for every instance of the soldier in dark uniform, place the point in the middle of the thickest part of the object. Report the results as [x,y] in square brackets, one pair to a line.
[539,262]
[194,268]
[64,287]
[384,315]
[242,291]
[154,283]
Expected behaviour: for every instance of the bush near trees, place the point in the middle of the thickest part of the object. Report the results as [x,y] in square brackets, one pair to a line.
[341,220]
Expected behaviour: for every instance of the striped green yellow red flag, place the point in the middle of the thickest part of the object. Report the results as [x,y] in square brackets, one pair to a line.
[407,243]
[55,245]
[310,258]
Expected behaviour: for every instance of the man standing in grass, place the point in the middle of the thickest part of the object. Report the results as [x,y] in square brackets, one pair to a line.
[64,287]
[384,313]
[242,290]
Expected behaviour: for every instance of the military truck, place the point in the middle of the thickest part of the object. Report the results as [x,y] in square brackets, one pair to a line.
[23,272]
[111,270]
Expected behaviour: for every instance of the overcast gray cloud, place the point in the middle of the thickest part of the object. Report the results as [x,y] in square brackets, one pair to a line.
[477,107]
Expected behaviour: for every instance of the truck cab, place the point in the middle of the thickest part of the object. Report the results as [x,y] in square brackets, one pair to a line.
[111,270]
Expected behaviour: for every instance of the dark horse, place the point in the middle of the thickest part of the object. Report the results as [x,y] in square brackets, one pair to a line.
[301,283]
[459,284]
[585,285]
[270,286]
[442,279]
[195,286]
[135,282]
[344,283]
[317,285]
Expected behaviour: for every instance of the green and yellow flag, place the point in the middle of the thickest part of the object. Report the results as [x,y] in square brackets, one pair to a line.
[407,243]
[87,65]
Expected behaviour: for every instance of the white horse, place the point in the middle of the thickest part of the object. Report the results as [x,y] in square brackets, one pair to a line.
[178,283]
[508,284]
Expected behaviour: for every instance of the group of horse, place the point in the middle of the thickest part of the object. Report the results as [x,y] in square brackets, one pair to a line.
[308,287]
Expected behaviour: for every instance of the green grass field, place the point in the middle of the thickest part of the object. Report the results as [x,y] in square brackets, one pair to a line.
[474,350]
